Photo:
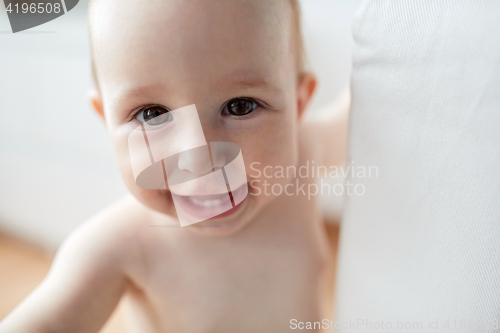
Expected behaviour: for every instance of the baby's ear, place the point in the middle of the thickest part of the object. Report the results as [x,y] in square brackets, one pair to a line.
[305,91]
[96,102]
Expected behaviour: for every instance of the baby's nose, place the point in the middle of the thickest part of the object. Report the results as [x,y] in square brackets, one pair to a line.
[196,161]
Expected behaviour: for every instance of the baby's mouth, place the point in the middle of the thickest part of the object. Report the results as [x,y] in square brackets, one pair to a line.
[205,207]
[207,201]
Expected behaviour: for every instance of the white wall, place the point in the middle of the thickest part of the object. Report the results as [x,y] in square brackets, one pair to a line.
[56,164]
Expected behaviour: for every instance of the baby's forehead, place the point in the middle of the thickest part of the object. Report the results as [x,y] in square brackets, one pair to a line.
[185,37]
[143,21]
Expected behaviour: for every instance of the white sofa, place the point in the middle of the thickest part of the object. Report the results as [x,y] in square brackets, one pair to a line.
[422,245]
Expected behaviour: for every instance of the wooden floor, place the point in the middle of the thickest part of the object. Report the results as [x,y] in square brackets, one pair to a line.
[23,266]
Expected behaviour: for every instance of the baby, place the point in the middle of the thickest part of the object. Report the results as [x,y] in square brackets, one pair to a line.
[260,266]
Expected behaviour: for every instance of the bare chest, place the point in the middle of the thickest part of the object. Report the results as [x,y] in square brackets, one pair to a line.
[254,282]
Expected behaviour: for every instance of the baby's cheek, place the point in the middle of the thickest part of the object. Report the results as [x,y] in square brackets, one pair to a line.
[263,163]
[122,156]
[119,141]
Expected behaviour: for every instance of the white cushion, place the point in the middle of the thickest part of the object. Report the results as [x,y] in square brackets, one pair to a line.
[423,242]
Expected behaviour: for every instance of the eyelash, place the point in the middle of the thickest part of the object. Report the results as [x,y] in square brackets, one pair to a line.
[145,107]
[258,103]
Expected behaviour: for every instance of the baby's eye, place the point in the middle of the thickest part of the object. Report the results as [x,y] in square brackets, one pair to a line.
[154,115]
[240,106]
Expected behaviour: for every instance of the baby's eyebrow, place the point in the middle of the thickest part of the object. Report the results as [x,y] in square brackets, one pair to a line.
[143,91]
[127,97]
[251,83]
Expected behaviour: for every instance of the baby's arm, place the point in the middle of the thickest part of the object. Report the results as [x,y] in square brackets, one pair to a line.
[326,132]
[81,289]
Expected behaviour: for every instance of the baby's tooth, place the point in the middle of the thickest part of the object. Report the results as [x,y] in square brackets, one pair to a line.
[206,203]
[212,203]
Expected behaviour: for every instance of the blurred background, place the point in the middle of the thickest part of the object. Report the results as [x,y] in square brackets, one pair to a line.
[57,168]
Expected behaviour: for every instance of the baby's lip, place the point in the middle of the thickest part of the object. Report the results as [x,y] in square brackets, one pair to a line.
[200,193]
[210,206]
[207,185]
[204,188]
[211,200]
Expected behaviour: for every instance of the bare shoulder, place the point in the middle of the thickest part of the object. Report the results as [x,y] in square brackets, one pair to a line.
[323,134]
[112,238]
[119,219]
[91,270]
[114,224]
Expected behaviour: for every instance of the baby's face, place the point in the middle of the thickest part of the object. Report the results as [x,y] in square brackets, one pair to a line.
[233,59]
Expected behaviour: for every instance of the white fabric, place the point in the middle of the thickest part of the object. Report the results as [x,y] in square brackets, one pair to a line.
[423,242]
